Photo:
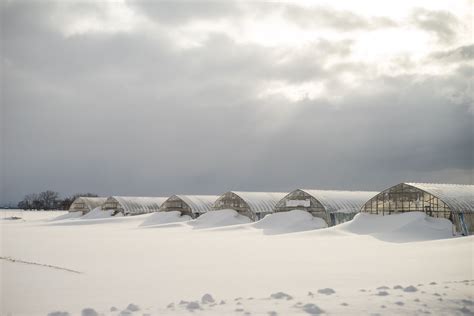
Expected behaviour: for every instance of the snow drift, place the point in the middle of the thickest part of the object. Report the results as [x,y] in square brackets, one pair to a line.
[405,227]
[289,222]
[98,213]
[159,218]
[68,215]
[219,218]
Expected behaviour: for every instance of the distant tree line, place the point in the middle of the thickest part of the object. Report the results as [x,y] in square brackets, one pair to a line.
[49,200]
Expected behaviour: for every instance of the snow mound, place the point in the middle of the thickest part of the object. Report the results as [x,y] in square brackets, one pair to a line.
[219,218]
[159,218]
[405,227]
[69,215]
[289,222]
[98,213]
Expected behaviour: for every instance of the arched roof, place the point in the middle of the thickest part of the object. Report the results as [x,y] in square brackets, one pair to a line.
[259,202]
[198,203]
[458,197]
[138,204]
[90,202]
[341,201]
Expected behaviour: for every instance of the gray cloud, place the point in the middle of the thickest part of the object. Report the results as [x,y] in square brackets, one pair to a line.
[129,113]
[443,24]
[462,53]
[181,12]
[335,19]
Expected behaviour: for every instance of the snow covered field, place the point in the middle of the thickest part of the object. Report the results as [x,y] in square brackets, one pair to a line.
[163,264]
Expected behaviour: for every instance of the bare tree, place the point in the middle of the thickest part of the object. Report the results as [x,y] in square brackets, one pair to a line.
[49,199]
[30,201]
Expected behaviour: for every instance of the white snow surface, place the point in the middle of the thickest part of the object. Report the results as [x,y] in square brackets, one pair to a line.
[159,218]
[289,222]
[411,226]
[68,215]
[107,266]
[218,219]
[98,212]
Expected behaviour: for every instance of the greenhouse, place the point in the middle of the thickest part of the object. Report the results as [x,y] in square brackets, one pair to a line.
[254,205]
[85,204]
[191,205]
[133,205]
[333,206]
[451,201]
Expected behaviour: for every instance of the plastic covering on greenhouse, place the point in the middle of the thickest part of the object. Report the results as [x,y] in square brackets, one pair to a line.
[85,204]
[334,206]
[192,205]
[451,201]
[133,205]
[254,205]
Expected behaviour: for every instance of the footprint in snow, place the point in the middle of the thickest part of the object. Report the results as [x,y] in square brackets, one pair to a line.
[433,283]
[113,309]
[281,296]
[382,293]
[383,287]
[89,312]
[312,309]
[133,308]
[410,289]
[344,304]
[400,303]
[207,298]
[192,306]
[398,287]
[326,291]
[58,313]
[272,313]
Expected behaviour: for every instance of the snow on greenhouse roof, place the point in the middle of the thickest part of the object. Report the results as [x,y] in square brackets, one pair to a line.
[341,201]
[458,197]
[199,203]
[138,204]
[90,202]
[260,201]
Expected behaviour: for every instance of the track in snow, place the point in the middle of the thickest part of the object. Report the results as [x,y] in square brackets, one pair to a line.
[39,264]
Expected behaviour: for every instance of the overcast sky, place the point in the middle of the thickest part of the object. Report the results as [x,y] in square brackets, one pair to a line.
[153,99]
